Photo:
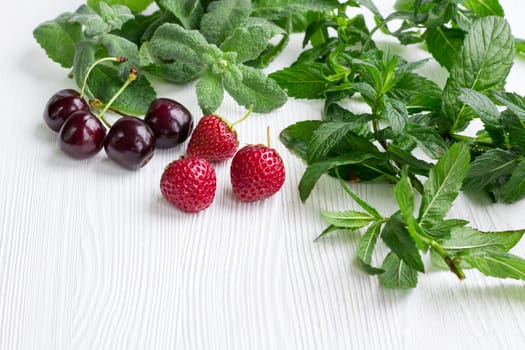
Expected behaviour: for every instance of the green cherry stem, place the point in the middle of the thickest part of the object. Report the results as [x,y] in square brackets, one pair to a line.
[118,59]
[243,118]
[132,76]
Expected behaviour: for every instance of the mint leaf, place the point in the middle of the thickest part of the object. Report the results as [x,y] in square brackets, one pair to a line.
[444,44]
[397,273]
[485,7]
[296,137]
[134,5]
[514,188]
[405,196]
[347,219]
[256,89]
[482,65]
[188,12]
[428,139]
[58,38]
[307,80]
[443,184]
[396,236]
[497,264]
[222,18]
[366,247]
[396,113]
[514,128]
[467,238]
[327,136]
[210,93]
[314,172]
[488,167]
[414,164]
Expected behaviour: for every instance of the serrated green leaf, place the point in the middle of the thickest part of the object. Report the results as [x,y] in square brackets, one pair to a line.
[396,113]
[296,137]
[58,38]
[327,231]
[210,93]
[488,167]
[443,184]
[115,15]
[222,18]
[487,111]
[314,172]
[347,219]
[367,207]
[497,264]
[397,273]
[467,238]
[256,89]
[118,46]
[514,188]
[85,52]
[444,44]
[250,40]
[396,236]
[134,5]
[418,93]
[326,137]
[366,246]
[306,81]
[514,127]
[482,65]
[171,42]
[512,101]
[404,195]
[485,7]
[175,72]
[404,157]
[91,21]
[188,12]
[428,139]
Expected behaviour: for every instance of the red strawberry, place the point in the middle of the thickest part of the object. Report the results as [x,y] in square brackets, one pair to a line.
[189,184]
[213,139]
[257,172]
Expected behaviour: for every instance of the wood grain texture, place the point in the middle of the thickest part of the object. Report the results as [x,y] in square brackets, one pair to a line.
[92,257]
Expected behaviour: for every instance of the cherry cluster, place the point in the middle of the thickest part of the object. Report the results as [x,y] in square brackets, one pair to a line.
[130,141]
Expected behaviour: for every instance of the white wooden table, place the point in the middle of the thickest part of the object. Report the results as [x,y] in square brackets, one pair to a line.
[92,257]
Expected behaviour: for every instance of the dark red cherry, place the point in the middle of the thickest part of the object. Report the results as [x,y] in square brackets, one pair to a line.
[82,135]
[130,143]
[61,105]
[171,122]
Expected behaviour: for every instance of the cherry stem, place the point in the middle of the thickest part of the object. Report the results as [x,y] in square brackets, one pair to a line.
[244,117]
[131,77]
[118,59]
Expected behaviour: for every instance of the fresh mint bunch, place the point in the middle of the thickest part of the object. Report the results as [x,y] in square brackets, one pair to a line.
[406,113]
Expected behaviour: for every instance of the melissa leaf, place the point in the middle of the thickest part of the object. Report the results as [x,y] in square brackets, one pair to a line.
[256,89]
[250,39]
[134,5]
[210,93]
[397,273]
[222,18]
[482,65]
[188,12]
[443,184]
[58,38]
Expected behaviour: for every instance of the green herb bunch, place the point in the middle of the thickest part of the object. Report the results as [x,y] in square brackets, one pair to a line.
[409,114]
[223,45]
